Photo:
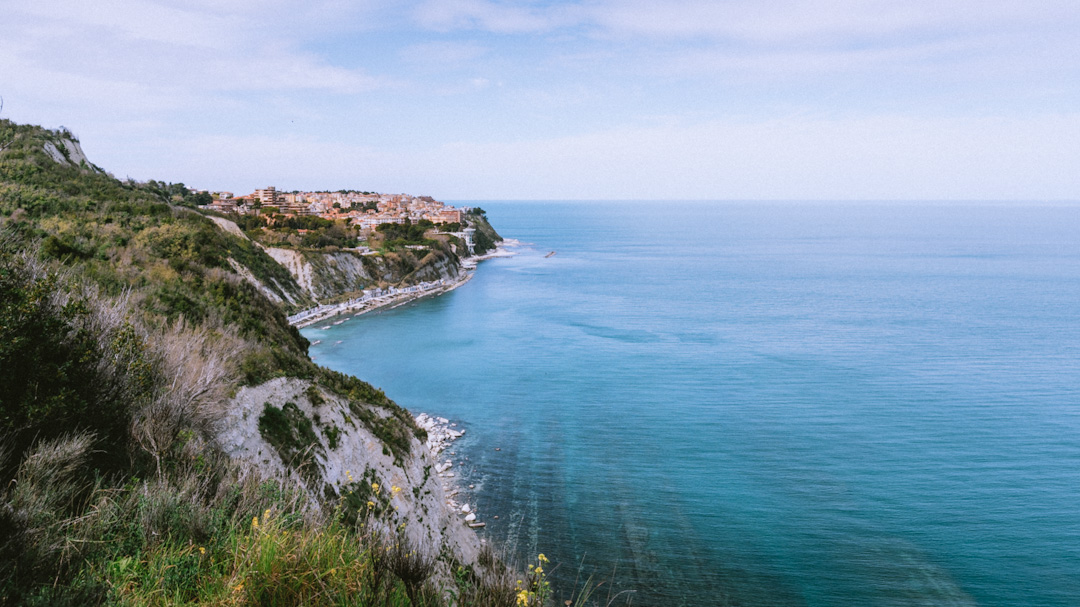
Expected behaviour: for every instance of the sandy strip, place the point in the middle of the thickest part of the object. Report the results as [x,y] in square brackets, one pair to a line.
[392,301]
[382,302]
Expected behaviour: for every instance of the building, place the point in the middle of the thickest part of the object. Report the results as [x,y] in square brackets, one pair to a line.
[267,196]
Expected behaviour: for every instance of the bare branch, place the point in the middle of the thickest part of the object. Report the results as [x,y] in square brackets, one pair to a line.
[196,368]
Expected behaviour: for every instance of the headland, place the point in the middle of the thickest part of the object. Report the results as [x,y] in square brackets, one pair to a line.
[148,347]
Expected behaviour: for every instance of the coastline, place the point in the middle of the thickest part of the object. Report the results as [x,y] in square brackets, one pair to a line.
[441,431]
[378,300]
[441,434]
[395,296]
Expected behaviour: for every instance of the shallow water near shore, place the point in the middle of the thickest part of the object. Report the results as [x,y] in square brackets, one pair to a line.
[763,403]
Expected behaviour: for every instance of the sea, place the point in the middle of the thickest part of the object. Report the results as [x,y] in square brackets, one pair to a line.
[761,403]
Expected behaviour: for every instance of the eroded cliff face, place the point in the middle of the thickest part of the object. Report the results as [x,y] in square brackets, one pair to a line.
[68,151]
[370,460]
[321,276]
[329,446]
[326,275]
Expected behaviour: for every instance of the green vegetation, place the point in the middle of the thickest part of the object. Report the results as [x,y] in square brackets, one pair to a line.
[178,193]
[394,236]
[67,362]
[124,328]
[405,233]
[485,237]
[333,436]
[279,560]
[392,424]
[298,231]
[292,434]
[314,396]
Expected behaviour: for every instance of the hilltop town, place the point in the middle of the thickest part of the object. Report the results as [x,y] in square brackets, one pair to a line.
[365,210]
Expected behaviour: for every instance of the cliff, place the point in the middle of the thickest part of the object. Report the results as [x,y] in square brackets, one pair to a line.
[332,274]
[145,345]
[345,456]
[329,275]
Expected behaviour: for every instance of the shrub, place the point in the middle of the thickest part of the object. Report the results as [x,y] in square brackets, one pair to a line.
[69,361]
[293,436]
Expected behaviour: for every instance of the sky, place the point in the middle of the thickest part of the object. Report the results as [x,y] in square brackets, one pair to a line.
[575,99]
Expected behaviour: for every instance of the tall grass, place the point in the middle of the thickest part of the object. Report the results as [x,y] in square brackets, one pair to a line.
[274,560]
[211,534]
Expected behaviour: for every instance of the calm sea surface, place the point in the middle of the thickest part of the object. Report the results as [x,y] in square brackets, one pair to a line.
[763,404]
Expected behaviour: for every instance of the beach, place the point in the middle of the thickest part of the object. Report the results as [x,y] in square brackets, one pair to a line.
[391,297]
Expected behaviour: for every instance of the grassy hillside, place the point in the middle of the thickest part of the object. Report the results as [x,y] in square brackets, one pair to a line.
[124,329]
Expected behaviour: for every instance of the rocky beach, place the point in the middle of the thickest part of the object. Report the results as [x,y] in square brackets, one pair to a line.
[441,434]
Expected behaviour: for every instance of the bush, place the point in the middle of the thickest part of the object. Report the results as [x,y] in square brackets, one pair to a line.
[393,429]
[69,361]
[293,436]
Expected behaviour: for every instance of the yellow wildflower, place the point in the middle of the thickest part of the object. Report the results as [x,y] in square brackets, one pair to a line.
[523,598]
[254,522]
[202,550]
[542,558]
[370,504]
[375,487]
[539,570]
[396,489]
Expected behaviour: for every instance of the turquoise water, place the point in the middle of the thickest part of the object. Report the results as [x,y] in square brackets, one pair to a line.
[764,404]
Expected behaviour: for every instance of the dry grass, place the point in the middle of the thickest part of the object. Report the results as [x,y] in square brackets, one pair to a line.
[39,507]
[196,369]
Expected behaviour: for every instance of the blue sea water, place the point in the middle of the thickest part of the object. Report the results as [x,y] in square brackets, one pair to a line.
[763,403]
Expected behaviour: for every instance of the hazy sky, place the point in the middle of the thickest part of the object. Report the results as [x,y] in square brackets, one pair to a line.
[475,99]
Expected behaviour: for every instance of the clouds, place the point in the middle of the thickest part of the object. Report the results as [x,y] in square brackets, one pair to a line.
[782,22]
[575,98]
[127,19]
[777,22]
[155,56]
[852,55]
[883,157]
[498,17]
[887,157]
[773,38]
